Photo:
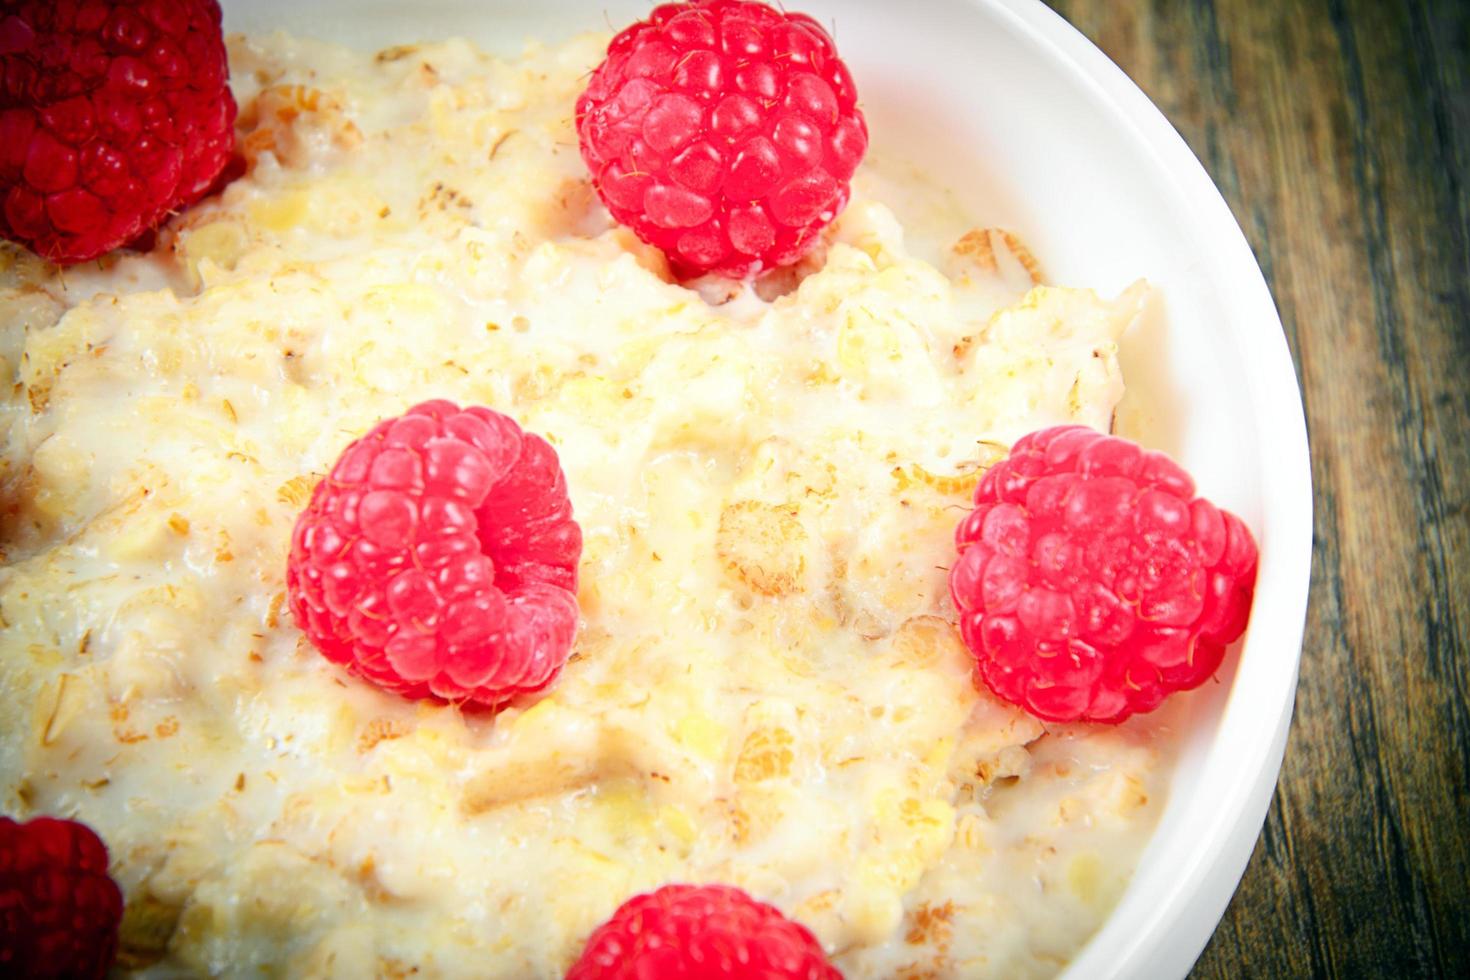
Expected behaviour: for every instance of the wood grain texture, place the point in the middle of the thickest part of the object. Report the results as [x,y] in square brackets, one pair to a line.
[1339,132]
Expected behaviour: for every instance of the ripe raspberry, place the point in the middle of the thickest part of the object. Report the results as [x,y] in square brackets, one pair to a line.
[439,558]
[701,932]
[723,132]
[59,911]
[1092,582]
[113,114]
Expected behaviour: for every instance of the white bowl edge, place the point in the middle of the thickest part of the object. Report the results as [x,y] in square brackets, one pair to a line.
[1161,933]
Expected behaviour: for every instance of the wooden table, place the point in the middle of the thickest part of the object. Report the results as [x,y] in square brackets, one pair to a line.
[1339,131]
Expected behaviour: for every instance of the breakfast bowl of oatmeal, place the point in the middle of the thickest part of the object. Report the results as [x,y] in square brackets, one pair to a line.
[587,482]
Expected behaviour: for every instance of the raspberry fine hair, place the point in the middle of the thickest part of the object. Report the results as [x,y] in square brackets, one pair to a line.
[59,910]
[113,116]
[723,132]
[701,932]
[438,559]
[1092,582]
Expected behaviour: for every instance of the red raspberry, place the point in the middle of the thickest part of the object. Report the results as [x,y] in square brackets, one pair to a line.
[59,911]
[439,558]
[113,115]
[701,932]
[1092,582]
[723,132]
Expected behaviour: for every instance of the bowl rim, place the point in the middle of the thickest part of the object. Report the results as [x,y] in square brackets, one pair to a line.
[1165,936]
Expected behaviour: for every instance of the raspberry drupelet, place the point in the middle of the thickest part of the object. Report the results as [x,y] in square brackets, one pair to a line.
[113,115]
[438,559]
[59,910]
[723,132]
[1092,582]
[701,932]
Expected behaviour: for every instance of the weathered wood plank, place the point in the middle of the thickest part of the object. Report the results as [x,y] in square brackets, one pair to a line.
[1339,131]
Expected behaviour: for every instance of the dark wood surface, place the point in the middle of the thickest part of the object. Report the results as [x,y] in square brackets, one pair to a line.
[1339,131]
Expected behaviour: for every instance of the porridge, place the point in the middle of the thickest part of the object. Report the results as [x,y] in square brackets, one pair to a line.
[766,690]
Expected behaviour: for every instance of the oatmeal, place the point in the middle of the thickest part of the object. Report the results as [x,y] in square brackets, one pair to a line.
[766,690]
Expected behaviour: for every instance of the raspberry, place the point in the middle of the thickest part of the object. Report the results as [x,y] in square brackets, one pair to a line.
[1092,582]
[701,932]
[59,911]
[723,132]
[113,114]
[439,558]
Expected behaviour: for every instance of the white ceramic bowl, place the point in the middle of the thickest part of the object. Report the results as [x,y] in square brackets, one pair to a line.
[1034,128]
